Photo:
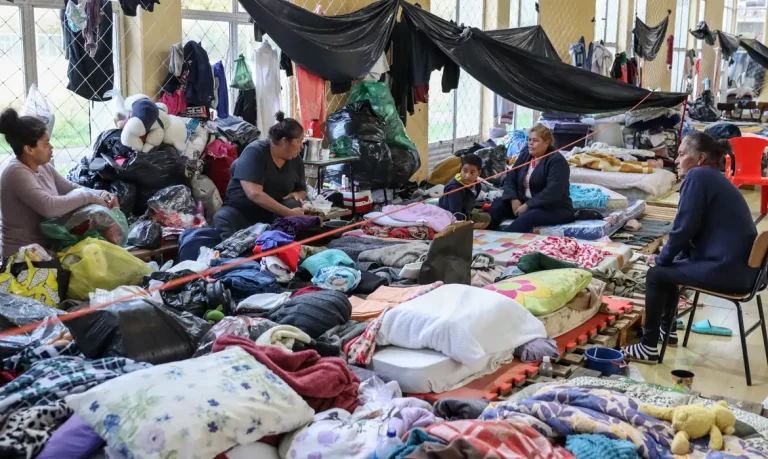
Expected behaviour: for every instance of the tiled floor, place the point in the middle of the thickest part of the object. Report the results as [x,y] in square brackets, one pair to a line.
[715,360]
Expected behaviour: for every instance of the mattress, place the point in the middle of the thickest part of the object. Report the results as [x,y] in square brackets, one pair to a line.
[633,186]
[592,230]
[566,319]
[616,200]
[501,246]
[420,370]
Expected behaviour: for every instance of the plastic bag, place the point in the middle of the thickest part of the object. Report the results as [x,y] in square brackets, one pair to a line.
[242,79]
[82,174]
[366,130]
[98,264]
[384,106]
[235,326]
[92,220]
[44,281]
[126,195]
[36,105]
[152,171]
[18,312]
[191,297]
[405,163]
[121,114]
[494,162]
[174,207]
[140,330]
[108,144]
[147,234]
[517,140]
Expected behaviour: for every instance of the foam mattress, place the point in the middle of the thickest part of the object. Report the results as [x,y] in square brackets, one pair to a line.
[592,230]
[420,370]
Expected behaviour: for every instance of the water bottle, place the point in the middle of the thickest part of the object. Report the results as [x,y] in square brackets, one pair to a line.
[387,445]
[545,369]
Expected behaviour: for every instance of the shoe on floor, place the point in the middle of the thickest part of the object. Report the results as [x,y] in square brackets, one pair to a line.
[641,353]
[704,327]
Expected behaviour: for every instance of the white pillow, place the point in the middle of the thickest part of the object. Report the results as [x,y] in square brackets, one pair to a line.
[465,323]
[195,408]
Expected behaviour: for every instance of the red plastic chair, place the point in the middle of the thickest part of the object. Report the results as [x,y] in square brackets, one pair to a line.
[748,153]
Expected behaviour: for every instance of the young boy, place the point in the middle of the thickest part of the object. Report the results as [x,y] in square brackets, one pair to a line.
[462,203]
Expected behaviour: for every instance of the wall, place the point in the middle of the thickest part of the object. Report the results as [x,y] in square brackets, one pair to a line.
[713,15]
[565,21]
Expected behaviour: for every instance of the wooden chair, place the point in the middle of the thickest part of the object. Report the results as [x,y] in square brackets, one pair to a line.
[757,259]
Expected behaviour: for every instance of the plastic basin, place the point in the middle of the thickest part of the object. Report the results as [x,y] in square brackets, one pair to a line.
[605,360]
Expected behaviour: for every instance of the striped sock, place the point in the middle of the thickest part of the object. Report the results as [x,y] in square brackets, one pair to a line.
[672,336]
[641,351]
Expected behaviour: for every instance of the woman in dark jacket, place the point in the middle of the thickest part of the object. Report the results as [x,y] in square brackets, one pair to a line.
[536,194]
[709,245]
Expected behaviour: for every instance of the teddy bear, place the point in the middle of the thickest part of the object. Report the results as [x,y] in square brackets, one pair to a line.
[695,421]
[149,125]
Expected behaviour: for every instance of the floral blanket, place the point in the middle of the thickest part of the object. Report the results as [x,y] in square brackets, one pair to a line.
[565,410]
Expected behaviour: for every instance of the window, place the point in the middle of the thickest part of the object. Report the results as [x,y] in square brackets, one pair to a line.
[523,14]
[224,30]
[750,18]
[32,51]
[455,117]
[641,6]
[606,23]
[682,15]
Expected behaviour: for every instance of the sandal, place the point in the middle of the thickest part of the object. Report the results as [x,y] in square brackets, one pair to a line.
[704,327]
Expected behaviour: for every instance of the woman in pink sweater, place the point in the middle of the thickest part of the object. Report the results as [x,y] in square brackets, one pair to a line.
[30,188]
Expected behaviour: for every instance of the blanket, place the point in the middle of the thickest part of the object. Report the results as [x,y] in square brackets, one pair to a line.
[354,246]
[585,197]
[23,433]
[419,233]
[567,410]
[434,217]
[564,249]
[607,163]
[324,383]
[395,256]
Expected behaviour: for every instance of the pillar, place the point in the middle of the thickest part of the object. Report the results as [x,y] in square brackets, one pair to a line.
[567,21]
[626,24]
[146,47]
[656,74]
[713,15]
[496,17]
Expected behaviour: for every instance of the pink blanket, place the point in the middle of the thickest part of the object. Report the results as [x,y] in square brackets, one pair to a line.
[565,249]
[433,216]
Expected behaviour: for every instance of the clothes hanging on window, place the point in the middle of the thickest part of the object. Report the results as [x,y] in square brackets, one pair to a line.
[130,7]
[578,53]
[245,106]
[601,60]
[590,55]
[379,69]
[90,77]
[311,92]
[648,40]
[199,90]
[670,51]
[266,78]
[286,64]
[222,107]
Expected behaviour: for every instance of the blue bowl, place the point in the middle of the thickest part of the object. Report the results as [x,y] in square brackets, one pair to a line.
[605,360]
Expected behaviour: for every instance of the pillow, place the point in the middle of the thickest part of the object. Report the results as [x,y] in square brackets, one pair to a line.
[75,439]
[195,408]
[544,292]
[468,324]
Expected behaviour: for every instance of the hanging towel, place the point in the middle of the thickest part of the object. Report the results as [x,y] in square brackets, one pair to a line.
[266,78]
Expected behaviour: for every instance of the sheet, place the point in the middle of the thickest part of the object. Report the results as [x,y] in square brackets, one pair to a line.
[503,245]
[616,200]
[649,186]
[419,371]
[592,230]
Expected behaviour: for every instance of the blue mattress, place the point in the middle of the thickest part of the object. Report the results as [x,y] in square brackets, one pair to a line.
[591,230]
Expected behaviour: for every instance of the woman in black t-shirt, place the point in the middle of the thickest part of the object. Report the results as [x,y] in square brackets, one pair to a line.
[267,180]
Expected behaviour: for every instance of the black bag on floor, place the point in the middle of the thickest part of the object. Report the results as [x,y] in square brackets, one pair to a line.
[139,330]
[405,163]
[126,195]
[450,256]
[17,311]
[146,234]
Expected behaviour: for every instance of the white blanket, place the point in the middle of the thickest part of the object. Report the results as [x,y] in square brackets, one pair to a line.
[382,219]
[471,325]
[653,185]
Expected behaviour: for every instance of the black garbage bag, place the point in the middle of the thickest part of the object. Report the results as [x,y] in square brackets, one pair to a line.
[195,297]
[405,163]
[126,195]
[140,330]
[494,162]
[702,32]
[703,108]
[108,144]
[152,171]
[17,311]
[356,130]
[177,198]
[146,234]
[82,174]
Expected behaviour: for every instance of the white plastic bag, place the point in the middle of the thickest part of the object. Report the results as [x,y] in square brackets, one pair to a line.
[120,113]
[37,105]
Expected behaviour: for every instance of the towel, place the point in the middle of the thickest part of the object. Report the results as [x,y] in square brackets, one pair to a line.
[283,337]
[323,382]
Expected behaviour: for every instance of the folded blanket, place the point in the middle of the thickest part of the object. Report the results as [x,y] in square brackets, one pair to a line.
[564,249]
[354,246]
[324,382]
[340,278]
[607,163]
[418,233]
[586,197]
[283,337]
[395,256]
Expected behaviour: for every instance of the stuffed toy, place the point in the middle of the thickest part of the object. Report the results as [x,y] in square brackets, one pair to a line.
[149,125]
[695,421]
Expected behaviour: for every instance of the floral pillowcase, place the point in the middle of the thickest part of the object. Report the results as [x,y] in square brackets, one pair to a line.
[195,408]
[544,292]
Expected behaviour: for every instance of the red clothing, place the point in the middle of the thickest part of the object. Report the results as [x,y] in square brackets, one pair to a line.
[670,51]
[323,382]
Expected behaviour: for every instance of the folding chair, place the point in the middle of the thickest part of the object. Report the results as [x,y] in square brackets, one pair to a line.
[757,259]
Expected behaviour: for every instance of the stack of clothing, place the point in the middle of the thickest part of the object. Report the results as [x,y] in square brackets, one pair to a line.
[415,221]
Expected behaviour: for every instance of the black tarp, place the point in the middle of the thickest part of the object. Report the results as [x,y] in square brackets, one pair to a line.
[648,40]
[757,51]
[336,48]
[530,80]
[702,32]
[728,43]
[341,48]
[532,39]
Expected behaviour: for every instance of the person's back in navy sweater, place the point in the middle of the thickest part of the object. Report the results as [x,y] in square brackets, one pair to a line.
[709,245]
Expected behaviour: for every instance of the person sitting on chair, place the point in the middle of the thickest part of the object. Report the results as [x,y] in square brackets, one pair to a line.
[267,180]
[537,194]
[709,245]
[462,203]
